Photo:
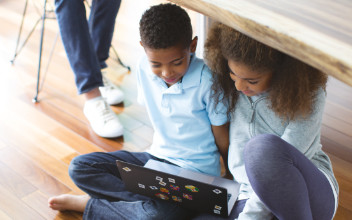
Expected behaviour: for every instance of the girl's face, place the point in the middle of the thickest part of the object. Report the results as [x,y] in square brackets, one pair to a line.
[249,82]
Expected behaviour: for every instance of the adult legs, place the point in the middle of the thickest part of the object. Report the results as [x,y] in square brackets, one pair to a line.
[289,184]
[78,44]
[101,26]
[87,54]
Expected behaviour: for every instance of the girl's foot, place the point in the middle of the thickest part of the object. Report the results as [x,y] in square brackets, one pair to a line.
[69,202]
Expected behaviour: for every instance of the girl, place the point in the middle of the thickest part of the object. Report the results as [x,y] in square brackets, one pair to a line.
[276,105]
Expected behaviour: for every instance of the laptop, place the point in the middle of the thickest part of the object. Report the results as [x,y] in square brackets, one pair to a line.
[192,190]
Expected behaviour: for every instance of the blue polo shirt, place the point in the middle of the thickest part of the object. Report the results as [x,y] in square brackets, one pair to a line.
[182,116]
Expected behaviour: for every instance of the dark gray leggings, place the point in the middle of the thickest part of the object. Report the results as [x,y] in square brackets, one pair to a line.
[289,184]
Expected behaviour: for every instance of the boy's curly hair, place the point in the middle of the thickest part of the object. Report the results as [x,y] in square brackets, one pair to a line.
[165,25]
[293,86]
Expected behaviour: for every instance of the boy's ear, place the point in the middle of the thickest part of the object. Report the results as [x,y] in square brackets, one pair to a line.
[193,45]
[140,42]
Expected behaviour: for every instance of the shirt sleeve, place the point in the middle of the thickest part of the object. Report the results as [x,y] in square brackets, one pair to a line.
[217,113]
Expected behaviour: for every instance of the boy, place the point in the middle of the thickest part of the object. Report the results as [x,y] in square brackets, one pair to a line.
[175,87]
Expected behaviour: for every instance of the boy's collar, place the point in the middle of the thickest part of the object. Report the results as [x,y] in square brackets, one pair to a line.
[194,73]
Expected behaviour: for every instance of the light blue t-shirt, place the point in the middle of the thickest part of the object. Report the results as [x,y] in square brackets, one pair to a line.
[182,116]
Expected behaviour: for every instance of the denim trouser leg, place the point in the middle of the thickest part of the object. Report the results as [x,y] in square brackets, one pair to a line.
[101,25]
[100,209]
[286,181]
[97,175]
[86,57]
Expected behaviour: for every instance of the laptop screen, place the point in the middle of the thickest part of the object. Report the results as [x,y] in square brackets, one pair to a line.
[170,183]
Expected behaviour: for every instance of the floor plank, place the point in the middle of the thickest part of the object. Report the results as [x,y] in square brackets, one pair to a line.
[37,201]
[14,183]
[15,208]
[342,170]
[32,173]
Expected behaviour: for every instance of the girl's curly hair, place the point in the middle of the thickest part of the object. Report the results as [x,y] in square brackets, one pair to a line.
[293,86]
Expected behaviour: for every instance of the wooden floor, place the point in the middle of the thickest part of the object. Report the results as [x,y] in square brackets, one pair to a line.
[37,141]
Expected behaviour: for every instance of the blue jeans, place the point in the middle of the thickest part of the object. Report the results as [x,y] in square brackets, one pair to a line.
[87,43]
[97,175]
[289,184]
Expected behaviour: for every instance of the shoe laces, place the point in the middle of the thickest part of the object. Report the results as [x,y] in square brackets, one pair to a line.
[108,84]
[105,112]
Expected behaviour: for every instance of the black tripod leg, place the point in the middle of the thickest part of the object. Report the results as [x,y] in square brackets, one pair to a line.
[19,34]
[118,59]
[35,99]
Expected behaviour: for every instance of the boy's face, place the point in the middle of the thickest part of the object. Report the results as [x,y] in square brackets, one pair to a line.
[248,81]
[170,64]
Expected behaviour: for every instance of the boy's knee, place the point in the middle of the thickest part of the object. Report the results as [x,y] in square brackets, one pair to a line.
[76,164]
[83,164]
[73,167]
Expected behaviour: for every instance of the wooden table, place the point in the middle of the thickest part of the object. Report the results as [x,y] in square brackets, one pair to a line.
[318,32]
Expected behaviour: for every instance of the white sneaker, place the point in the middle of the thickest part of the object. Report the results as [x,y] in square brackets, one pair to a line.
[110,92]
[102,119]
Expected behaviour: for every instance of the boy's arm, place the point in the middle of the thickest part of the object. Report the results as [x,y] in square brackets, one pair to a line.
[221,135]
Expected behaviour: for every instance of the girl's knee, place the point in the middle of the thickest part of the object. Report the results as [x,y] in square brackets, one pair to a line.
[263,150]
[260,145]
[263,140]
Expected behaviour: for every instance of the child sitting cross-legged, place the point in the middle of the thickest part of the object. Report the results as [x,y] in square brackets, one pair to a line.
[175,87]
[276,104]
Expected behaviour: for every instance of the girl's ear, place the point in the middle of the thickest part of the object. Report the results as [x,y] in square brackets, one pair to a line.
[193,45]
